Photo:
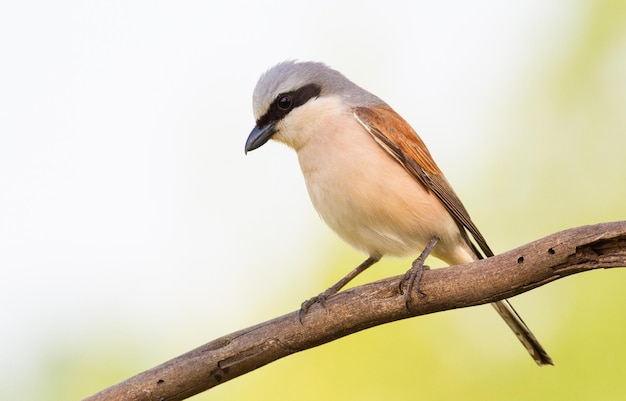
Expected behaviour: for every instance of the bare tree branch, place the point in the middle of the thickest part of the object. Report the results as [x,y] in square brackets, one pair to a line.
[502,276]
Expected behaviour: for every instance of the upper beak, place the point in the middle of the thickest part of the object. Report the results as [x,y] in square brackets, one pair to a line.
[259,136]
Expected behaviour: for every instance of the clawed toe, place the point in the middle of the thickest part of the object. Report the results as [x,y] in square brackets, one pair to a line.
[304,308]
[321,298]
[413,276]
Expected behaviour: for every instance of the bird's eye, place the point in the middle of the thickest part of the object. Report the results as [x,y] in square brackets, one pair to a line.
[284,102]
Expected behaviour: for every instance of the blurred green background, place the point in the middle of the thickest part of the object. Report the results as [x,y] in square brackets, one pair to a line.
[135,230]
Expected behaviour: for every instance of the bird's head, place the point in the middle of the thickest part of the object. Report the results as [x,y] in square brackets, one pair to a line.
[290,95]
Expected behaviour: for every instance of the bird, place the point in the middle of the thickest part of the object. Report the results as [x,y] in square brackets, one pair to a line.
[369,175]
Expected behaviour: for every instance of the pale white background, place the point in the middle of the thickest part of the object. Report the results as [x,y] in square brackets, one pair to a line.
[126,201]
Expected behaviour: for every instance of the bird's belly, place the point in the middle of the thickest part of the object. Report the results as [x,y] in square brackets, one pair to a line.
[372,202]
[377,218]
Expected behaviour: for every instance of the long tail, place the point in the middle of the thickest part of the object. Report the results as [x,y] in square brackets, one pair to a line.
[441,188]
[504,308]
[522,332]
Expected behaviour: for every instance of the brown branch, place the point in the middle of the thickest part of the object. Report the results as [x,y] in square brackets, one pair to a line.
[502,276]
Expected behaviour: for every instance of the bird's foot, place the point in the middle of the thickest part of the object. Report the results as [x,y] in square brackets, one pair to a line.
[413,276]
[321,299]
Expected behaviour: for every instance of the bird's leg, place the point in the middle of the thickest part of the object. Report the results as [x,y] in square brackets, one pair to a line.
[321,298]
[413,276]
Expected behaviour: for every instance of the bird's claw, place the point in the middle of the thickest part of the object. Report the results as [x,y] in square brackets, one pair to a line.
[304,308]
[413,276]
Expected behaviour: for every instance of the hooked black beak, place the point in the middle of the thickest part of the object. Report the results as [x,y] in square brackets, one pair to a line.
[259,136]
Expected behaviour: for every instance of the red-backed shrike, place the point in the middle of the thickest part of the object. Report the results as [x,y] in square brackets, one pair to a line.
[368,174]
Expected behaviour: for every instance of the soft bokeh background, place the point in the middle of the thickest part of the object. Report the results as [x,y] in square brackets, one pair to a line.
[133,228]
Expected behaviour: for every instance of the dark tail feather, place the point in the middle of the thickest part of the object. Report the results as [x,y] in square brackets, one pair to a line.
[522,332]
